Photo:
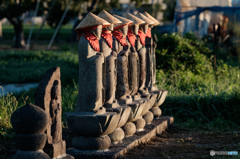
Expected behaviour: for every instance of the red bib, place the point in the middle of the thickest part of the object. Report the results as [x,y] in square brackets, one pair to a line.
[142,36]
[107,35]
[92,39]
[120,37]
[149,34]
[131,37]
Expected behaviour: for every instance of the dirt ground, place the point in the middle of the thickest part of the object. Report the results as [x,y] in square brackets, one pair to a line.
[178,143]
[175,143]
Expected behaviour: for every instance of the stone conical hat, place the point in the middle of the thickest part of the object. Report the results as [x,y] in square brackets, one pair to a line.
[124,21]
[144,18]
[156,22]
[108,17]
[135,19]
[91,20]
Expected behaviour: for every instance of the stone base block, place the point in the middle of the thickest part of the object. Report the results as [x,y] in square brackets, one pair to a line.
[66,156]
[31,155]
[57,150]
[151,130]
[30,142]
[91,143]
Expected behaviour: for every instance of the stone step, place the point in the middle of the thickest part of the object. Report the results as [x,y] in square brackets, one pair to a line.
[128,143]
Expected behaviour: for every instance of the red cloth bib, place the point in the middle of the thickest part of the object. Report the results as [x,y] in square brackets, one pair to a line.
[107,35]
[92,39]
[120,37]
[142,36]
[149,34]
[131,37]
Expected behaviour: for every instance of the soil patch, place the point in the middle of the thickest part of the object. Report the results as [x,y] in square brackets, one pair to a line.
[178,143]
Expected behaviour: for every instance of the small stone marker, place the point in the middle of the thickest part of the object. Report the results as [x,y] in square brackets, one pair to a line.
[48,97]
[29,122]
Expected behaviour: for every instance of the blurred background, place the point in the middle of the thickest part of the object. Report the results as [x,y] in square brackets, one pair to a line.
[40,24]
[31,22]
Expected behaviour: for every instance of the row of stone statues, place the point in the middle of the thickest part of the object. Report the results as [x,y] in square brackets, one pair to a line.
[117,93]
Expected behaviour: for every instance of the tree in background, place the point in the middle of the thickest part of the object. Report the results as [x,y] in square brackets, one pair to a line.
[13,11]
[169,13]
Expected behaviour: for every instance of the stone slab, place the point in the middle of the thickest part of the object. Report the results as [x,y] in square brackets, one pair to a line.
[128,143]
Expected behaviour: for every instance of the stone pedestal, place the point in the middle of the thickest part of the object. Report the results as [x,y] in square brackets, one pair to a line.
[92,129]
[128,143]
[29,122]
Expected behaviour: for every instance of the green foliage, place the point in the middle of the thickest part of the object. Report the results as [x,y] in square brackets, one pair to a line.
[196,93]
[8,104]
[176,53]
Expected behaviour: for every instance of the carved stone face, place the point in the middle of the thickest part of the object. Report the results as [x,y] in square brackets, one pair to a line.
[124,29]
[144,28]
[135,29]
[98,31]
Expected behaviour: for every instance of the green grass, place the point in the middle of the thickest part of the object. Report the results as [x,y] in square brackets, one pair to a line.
[26,67]
[46,33]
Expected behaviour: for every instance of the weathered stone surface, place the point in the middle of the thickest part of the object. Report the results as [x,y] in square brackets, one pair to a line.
[30,142]
[29,122]
[142,53]
[48,96]
[161,98]
[58,149]
[90,94]
[140,123]
[29,119]
[124,115]
[117,136]
[109,72]
[30,155]
[136,109]
[148,117]
[147,104]
[129,129]
[91,143]
[128,143]
[134,72]
[150,102]
[122,75]
[90,124]
[157,112]
[142,77]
